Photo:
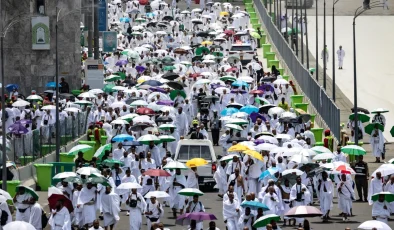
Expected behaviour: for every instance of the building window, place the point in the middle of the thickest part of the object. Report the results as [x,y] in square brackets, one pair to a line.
[41,6]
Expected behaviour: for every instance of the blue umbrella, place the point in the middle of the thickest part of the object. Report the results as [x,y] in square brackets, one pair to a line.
[269,173]
[121,62]
[249,109]
[51,85]
[11,87]
[134,143]
[229,111]
[124,19]
[18,128]
[150,15]
[239,83]
[254,205]
[152,83]
[123,137]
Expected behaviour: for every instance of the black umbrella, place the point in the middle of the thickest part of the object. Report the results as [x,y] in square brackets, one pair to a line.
[197,22]
[236,139]
[311,166]
[290,177]
[175,85]
[265,108]
[151,24]
[196,58]
[268,79]
[237,106]
[210,98]
[161,25]
[170,76]
[202,34]
[360,109]
[168,18]
[163,119]
[263,134]
[152,83]
[304,118]
[140,126]
[287,120]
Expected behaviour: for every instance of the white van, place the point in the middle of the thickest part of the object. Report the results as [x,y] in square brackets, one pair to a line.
[243,51]
[189,149]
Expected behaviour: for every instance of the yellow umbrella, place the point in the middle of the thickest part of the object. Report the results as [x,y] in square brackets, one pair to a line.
[196,162]
[224,13]
[254,154]
[206,43]
[238,148]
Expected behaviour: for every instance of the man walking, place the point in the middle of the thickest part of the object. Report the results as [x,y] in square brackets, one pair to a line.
[341,55]
[324,55]
[361,179]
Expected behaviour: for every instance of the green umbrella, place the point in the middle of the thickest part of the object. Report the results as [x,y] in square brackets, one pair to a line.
[79,148]
[201,50]
[74,179]
[232,59]
[112,78]
[218,54]
[167,138]
[168,67]
[392,131]
[361,117]
[101,151]
[108,88]
[255,35]
[98,180]
[168,59]
[312,70]
[121,74]
[228,78]
[388,196]
[167,126]
[353,150]
[264,220]
[112,162]
[371,127]
[190,192]
[28,190]
[174,93]
[140,20]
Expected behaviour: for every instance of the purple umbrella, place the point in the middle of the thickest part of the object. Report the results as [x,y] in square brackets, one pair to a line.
[259,142]
[157,89]
[238,90]
[140,69]
[255,115]
[266,88]
[215,86]
[184,219]
[24,121]
[18,128]
[165,102]
[121,62]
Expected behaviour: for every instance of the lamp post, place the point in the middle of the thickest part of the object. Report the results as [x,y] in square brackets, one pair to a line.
[306,36]
[302,33]
[317,45]
[360,10]
[333,49]
[324,48]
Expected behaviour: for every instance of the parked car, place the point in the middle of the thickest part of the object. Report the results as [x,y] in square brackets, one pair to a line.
[243,51]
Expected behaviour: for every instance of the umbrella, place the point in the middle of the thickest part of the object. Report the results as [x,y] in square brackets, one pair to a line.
[145,111]
[190,192]
[34,98]
[324,156]
[167,126]
[301,159]
[371,127]
[111,162]
[292,171]
[18,128]
[228,111]
[139,103]
[87,171]
[157,194]
[353,150]
[265,220]
[20,103]
[64,175]
[254,205]
[196,162]
[175,85]
[270,172]
[123,137]
[20,225]
[255,35]
[388,196]
[370,224]
[249,109]
[234,105]
[360,109]
[119,122]
[254,154]
[51,85]
[146,139]
[79,148]
[157,172]
[80,102]
[384,169]
[28,190]
[380,110]
[175,165]
[303,211]
[269,139]
[72,110]
[265,108]
[361,117]
[265,147]
[234,126]
[98,180]
[129,185]
[175,93]
[276,110]
[58,195]
[237,121]
[170,76]
[184,219]
[320,149]
[5,194]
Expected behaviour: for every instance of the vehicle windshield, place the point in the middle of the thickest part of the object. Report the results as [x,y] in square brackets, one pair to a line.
[187,152]
[239,48]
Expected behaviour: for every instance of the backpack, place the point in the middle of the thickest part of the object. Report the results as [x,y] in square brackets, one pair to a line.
[4,217]
[44,219]
[6,115]
[28,116]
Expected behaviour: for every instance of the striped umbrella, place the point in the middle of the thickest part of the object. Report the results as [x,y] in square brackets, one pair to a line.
[303,211]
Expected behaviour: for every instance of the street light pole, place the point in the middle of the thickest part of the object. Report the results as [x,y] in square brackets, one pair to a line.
[4,140]
[333,50]
[317,45]
[57,117]
[302,34]
[324,49]
[306,37]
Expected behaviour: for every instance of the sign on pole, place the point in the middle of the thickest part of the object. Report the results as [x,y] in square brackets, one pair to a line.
[102,11]
[110,41]
[41,34]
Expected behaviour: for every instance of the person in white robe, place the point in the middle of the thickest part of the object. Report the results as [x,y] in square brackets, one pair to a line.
[223,141]
[238,181]
[345,196]
[137,205]
[35,216]
[324,55]
[96,226]
[300,196]
[285,190]
[192,178]
[177,182]
[326,193]
[252,173]
[272,201]
[341,56]
[389,187]
[375,186]
[196,206]
[22,203]
[172,145]
[231,212]
[246,220]
[220,177]
[181,122]
[4,207]
[339,155]
[60,217]
[87,200]
[110,208]
[377,143]
[194,98]
[153,212]
[380,211]
[77,220]
[155,153]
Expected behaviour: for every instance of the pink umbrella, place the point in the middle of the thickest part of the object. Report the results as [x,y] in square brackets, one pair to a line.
[303,211]
[184,219]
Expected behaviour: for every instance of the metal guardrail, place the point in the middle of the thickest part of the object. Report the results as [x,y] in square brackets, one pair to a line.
[40,142]
[324,106]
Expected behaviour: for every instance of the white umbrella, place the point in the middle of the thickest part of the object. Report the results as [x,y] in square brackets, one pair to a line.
[5,194]
[72,109]
[281,82]
[289,152]
[276,110]
[265,147]
[370,224]
[384,169]
[19,225]
[246,79]
[321,149]
[119,104]
[175,165]
[119,122]
[234,126]
[301,159]
[209,57]
[202,81]
[308,152]
[142,119]
[20,103]
[87,171]
[87,95]
[129,185]
[64,175]
[148,138]
[220,90]
[119,88]
[34,97]
[229,157]
[139,103]
[290,171]
[324,156]
[288,115]
[380,110]
[269,139]
[82,102]
[157,194]
[283,137]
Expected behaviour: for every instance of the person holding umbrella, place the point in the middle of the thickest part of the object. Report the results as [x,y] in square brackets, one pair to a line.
[136,204]
[110,207]
[23,201]
[87,200]
[380,210]
[60,217]
[153,212]
[377,143]
[300,196]
[196,206]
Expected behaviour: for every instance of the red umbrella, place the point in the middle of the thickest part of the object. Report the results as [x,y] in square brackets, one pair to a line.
[195,75]
[229,32]
[66,202]
[157,172]
[256,91]
[145,111]
[231,69]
